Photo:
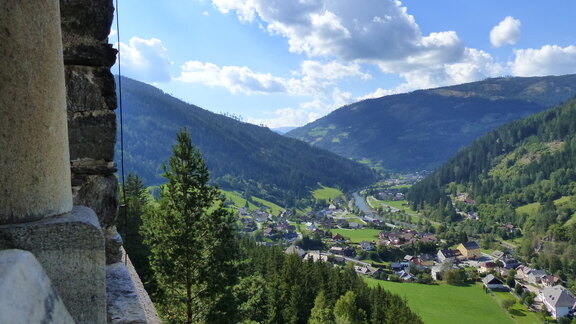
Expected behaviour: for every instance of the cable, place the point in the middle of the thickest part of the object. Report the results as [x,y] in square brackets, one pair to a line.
[125,209]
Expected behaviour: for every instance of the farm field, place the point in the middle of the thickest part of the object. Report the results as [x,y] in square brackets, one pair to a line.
[326,193]
[357,236]
[445,304]
[238,201]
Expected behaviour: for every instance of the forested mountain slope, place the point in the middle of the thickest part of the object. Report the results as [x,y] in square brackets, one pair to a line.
[526,161]
[422,129]
[239,155]
[520,181]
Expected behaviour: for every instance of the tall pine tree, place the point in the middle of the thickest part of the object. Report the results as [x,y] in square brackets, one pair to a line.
[192,239]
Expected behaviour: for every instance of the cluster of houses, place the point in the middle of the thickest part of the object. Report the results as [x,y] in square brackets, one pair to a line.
[404,237]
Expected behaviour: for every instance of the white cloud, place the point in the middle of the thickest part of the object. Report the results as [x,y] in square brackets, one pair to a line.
[307,112]
[548,60]
[506,32]
[377,94]
[370,31]
[287,117]
[237,79]
[145,60]
[313,79]
[378,32]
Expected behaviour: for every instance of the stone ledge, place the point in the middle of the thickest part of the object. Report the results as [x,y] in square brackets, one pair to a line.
[26,293]
[127,300]
[70,248]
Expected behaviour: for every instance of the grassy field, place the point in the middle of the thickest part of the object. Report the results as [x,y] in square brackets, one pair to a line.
[326,193]
[238,201]
[519,312]
[445,304]
[357,236]
[533,208]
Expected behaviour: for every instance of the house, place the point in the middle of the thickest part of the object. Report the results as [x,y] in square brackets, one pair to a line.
[344,251]
[446,255]
[426,259]
[354,225]
[510,263]
[558,300]
[551,280]
[316,256]
[436,272]
[487,267]
[405,275]
[494,283]
[522,272]
[338,238]
[367,246]
[497,255]
[368,271]
[535,276]
[470,250]
[293,249]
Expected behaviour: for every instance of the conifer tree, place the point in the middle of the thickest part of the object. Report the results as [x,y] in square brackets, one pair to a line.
[192,239]
[321,313]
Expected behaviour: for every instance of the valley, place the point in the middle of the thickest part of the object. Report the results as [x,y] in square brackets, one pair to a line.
[509,195]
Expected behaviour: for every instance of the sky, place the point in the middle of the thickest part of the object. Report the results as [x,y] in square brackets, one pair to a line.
[284,63]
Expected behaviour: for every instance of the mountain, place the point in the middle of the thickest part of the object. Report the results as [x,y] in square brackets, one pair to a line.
[422,129]
[239,155]
[529,161]
[283,130]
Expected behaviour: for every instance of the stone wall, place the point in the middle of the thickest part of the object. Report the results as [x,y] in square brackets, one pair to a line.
[91,101]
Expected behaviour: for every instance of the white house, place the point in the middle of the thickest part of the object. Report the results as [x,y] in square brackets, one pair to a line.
[558,300]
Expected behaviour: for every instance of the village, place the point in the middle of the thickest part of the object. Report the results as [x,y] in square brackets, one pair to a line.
[384,251]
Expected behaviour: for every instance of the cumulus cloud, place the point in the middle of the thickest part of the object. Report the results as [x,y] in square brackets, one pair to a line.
[237,79]
[375,30]
[145,60]
[312,79]
[548,60]
[379,32]
[506,32]
[287,117]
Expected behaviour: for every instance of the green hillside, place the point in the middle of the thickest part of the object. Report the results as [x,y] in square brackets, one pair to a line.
[422,129]
[521,175]
[239,155]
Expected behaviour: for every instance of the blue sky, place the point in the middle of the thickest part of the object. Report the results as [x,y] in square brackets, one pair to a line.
[288,62]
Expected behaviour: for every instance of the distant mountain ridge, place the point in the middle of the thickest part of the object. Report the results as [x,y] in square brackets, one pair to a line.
[239,155]
[422,129]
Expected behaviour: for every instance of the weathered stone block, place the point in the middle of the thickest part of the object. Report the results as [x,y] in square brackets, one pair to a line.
[89,88]
[26,293]
[101,194]
[113,242]
[92,136]
[70,248]
[90,55]
[86,19]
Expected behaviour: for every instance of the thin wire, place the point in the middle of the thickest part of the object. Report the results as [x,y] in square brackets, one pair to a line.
[125,209]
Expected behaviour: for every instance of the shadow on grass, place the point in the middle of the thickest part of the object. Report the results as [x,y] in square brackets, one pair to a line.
[516,312]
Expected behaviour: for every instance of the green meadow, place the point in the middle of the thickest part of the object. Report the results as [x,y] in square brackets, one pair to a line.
[446,304]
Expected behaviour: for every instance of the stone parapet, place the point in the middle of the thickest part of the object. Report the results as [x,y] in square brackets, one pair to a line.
[128,301]
[70,247]
[26,292]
